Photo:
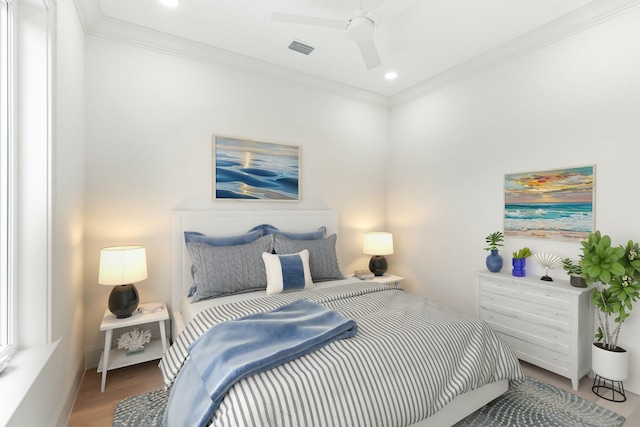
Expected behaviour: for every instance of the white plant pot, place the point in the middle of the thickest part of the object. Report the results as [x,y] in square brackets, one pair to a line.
[612,365]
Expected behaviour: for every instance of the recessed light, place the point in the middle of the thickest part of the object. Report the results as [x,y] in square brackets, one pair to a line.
[391,75]
[170,3]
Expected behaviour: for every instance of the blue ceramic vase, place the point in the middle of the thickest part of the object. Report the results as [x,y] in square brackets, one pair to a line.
[519,267]
[494,261]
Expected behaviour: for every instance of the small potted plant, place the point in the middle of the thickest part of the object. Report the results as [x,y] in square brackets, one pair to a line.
[494,260]
[615,271]
[519,262]
[574,271]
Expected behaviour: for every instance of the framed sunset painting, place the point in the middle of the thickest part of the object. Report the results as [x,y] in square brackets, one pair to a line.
[255,170]
[552,204]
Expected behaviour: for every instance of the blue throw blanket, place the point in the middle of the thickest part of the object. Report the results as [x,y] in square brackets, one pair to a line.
[238,348]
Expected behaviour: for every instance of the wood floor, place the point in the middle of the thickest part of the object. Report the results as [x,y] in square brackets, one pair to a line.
[95,409]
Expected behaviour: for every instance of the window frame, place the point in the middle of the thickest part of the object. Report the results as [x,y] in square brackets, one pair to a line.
[7,294]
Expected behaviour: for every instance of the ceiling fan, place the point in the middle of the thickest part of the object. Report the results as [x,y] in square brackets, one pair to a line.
[360,27]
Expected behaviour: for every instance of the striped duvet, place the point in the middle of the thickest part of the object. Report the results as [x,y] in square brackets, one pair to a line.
[409,359]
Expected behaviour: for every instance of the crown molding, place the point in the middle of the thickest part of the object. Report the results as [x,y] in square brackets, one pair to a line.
[594,13]
[98,25]
[584,18]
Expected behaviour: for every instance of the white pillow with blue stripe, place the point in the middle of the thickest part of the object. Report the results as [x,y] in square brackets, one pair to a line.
[287,273]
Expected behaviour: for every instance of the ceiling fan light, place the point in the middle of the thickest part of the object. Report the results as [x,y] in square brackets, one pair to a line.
[360,29]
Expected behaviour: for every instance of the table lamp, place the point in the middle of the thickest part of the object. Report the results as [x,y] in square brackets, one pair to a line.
[121,267]
[378,244]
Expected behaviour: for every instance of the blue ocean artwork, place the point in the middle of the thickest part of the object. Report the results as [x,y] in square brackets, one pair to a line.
[565,219]
[255,170]
[555,204]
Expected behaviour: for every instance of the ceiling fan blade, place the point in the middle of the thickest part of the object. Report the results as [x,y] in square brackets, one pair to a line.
[391,8]
[309,20]
[369,54]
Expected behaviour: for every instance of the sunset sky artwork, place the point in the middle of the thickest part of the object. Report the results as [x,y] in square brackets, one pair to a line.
[555,204]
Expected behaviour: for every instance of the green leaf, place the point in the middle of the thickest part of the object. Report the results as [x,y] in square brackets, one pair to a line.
[619,252]
[599,334]
[617,269]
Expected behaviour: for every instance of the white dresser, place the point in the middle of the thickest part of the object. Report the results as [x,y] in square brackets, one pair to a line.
[548,324]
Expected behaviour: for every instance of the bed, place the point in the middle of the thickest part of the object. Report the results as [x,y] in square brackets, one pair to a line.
[385,375]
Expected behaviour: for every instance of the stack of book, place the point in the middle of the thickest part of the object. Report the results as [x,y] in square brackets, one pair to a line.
[363,274]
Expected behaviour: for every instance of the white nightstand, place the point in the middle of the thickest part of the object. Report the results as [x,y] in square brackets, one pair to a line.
[118,358]
[387,279]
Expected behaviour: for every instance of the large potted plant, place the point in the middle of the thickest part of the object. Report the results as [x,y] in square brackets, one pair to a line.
[615,273]
[494,260]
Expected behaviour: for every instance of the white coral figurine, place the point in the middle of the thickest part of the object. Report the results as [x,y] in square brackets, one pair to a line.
[134,340]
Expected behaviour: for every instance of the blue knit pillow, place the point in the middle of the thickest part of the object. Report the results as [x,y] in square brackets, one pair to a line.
[240,239]
[287,272]
[228,270]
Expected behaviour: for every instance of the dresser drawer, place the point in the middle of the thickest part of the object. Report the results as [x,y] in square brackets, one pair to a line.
[499,288]
[547,297]
[540,356]
[550,336]
[532,312]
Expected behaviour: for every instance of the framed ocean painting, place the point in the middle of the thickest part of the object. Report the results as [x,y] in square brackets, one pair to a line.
[254,170]
[552,204]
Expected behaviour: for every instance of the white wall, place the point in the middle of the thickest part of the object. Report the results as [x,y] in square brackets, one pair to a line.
[150,119]
[67,258]
[573,103]
[53,387]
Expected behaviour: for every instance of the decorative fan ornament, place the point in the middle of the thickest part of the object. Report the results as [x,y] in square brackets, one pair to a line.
[548,261]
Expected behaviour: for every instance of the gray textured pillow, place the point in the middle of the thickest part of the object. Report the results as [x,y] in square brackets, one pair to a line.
[323,260]
[227,270]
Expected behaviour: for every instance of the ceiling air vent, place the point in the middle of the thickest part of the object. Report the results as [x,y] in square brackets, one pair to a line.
[301,47]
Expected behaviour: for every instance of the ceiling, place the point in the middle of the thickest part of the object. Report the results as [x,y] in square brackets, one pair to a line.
[428,40]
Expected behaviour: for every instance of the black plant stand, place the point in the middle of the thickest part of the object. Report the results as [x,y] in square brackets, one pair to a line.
[616,388]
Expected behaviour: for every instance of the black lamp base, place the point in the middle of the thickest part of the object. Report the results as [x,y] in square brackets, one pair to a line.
[123,300]
[378,265]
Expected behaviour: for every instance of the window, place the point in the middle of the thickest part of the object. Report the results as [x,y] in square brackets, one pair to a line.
[6,295]
[25,167]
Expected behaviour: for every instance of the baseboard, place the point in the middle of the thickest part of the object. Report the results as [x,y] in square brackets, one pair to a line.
[92,356]
[64,412]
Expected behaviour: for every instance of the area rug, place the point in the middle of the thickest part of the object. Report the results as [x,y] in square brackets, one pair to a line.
[533,403]
[530,403]
[143,410]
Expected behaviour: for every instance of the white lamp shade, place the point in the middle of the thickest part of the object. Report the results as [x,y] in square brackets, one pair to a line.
[378,243]
[121,265]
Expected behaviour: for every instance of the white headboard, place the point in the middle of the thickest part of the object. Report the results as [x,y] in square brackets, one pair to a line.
[230,222]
